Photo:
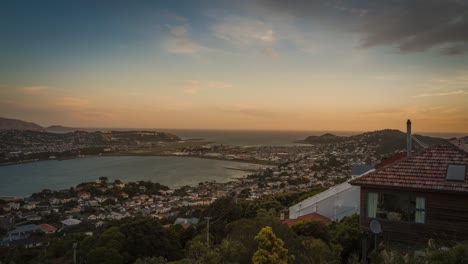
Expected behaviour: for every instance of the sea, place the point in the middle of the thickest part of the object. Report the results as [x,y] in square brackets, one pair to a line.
[24,179]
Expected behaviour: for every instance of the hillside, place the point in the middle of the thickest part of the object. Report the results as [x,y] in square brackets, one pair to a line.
[57,128]
[324,139]
[386,141]
[15,124]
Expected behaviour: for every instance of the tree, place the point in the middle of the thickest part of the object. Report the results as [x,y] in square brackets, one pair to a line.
[346,233]
[200,253]
[103,180]
[159,260]
[270,248]
[147,238]
[102,255]
[312,227]
[318,252]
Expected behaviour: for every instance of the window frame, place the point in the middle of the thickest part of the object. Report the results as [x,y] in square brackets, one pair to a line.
[398,221]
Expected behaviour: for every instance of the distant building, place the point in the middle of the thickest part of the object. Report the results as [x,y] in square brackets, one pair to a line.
[70,222]
[183,221]
[48,229]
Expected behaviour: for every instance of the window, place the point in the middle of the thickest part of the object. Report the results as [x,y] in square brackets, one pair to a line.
[456,173]
[396,207]
[372,199]
[420,216]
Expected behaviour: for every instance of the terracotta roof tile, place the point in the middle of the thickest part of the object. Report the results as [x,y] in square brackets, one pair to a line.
[324,219]
[425,170]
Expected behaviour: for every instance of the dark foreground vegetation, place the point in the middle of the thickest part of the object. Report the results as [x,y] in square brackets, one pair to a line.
[240,231]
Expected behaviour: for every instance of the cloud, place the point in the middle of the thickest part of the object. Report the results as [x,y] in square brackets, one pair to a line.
[446,93]
[244,31]
[180,43]
[181,46]
[179,30]
[32,89]
[249,111]
[410,25]
[196,86]
[269,52]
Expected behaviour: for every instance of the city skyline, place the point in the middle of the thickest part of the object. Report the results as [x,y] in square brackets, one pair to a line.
[256,65]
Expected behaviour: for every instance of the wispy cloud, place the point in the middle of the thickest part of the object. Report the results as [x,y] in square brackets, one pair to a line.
[411,26]
[269,52]
[72,102]
[33,89]
[249,110]
[179,30]
[244,31]
[181,46]
[196,86]
[445,93]
[180,43]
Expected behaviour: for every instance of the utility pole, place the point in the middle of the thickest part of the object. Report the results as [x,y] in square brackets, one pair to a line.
[208,231]
[75,245]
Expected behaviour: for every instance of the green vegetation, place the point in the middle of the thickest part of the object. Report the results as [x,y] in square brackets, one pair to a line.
[241,231]
[270,248]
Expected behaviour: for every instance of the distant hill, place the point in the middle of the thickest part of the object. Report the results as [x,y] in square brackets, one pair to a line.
[387,140]
[15,124]
[57,128]
[324,139]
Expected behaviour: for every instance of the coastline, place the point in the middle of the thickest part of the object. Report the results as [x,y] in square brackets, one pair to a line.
[259,162]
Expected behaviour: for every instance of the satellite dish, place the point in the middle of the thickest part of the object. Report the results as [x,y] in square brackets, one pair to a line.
[375,227]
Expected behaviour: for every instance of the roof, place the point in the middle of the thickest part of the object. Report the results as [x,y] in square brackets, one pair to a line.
[70,222]
[316,216]
[24,229]
[47,228]
[393,158]
[361,169]
[426,170]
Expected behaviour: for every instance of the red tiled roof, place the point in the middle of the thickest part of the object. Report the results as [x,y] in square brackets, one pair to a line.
[324,219]
[426,170]
[47,228]
[393,158]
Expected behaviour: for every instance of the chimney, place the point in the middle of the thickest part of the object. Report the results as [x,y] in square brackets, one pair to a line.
[408,139]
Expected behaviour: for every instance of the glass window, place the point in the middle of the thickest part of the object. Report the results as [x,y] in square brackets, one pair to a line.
[420,216]
[372,199]
[396,207]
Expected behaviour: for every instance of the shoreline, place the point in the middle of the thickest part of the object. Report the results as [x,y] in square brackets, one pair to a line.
[258,162]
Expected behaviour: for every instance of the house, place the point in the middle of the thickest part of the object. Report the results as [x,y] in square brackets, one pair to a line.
[48,229]
[70,222]
[190,221]
[23,230]
[31,216]
[418,197]
[28,242]
[84,195]
[7,222]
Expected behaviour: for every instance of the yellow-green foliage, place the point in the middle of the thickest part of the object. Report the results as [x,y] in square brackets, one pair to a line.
[270,248]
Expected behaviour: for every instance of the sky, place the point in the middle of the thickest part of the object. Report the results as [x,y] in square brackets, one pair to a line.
[351,65]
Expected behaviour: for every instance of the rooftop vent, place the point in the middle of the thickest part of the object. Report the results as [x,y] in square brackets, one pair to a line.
[456,172]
